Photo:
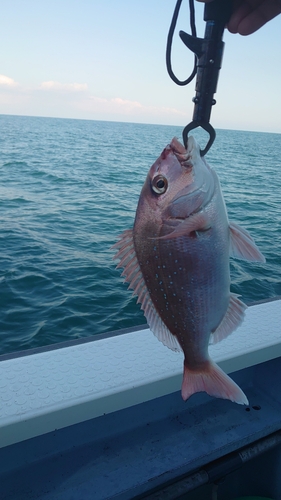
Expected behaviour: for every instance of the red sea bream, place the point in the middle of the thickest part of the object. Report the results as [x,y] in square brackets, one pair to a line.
[176,259]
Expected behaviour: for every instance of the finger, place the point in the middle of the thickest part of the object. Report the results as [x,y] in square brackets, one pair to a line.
[265,12]
[241,11]
[252,15]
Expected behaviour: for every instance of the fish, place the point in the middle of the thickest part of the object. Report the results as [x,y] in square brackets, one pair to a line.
[176,261]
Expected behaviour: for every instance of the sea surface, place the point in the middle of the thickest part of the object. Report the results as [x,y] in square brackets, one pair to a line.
[70,187]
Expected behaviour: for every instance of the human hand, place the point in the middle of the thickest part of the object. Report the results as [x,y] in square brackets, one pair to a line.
[250,15]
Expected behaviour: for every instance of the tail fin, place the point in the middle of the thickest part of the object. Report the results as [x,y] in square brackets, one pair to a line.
[213,381]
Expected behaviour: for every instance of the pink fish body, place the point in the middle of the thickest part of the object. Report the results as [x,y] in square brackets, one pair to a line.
[176,259]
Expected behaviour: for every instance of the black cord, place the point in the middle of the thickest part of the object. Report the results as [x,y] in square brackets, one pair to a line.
[170,40]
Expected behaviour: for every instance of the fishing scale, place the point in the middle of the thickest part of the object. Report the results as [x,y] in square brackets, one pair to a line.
[208,52]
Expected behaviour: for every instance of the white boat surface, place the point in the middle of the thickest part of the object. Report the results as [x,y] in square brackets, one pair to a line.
[103,417]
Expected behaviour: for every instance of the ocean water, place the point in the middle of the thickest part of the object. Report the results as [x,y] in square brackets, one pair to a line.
[69,187]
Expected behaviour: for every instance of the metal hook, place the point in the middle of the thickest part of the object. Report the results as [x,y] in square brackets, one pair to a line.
[206,126]
[208,53]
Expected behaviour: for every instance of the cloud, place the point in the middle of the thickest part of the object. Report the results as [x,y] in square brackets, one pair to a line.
[127,107]
[75,100]
[6,81]
[68,87]
[126,103]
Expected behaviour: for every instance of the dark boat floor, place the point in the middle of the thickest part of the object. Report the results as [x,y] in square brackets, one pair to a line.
[129,453]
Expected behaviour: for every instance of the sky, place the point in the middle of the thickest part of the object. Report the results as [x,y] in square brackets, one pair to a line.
[105,60]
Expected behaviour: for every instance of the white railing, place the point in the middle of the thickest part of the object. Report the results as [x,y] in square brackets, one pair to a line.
[57,388]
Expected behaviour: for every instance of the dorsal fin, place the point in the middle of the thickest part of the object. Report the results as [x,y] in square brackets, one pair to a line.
[133,276]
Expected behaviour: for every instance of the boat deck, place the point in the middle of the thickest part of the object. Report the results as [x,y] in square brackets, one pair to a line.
[104,418]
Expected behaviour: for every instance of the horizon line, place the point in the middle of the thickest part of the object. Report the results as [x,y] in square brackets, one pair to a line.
[132,122]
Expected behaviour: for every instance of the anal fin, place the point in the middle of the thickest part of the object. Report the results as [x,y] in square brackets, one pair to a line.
[232,319]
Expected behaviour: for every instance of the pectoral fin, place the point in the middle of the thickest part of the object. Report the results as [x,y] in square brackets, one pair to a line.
[196,222]
[242,245]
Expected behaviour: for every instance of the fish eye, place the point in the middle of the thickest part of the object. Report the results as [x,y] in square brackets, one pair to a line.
[159,184]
